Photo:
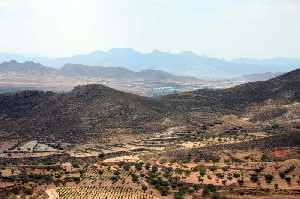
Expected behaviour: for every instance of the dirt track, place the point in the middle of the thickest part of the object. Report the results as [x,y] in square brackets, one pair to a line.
[52,194]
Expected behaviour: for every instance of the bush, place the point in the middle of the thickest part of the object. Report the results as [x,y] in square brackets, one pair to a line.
[254,178]
[28,191]
[184,189]
[114,178]
[147,166]
[154,169]
[164,190]
[144,187]
[282,175]
[126,167]
[167,172]
[210,188]
[236,175]
[174,181]
[291,168]
[213,168]
[202,172]
[134,178]
[264,158]
[76,179]
[162,161]
[275,126]
[178,171]
[75,164]
[288,179]
[241,181]
[220,175]
[178,195]
[269,178]
[196,187]
[138,166]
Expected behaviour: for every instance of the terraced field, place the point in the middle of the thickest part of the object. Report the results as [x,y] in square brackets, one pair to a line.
[102,193]
[93,174]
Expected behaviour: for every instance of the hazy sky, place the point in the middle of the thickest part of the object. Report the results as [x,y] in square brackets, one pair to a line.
[220,28]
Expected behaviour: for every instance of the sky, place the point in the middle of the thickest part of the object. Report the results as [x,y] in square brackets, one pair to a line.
[216,28]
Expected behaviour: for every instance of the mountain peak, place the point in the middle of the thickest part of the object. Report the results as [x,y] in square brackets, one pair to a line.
[123,51]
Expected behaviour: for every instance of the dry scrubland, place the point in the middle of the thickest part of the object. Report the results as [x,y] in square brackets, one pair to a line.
[95,142]
[231,158]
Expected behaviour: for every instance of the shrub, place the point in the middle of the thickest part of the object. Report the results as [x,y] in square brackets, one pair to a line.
[264,158]
[167,172]
[76,179]
[259,169]
[75,164]
[164,190]
[114,178]
[275,126]
[138,166]
[28,191]
[154,169]
[236,175]
[291,168]
[134,177]
[178,195]
[202,172]
[288,179]
[241,181]
[162,161]
[282,175]
[126,166]
[213,168]
[269,178]
[174,181]
[254,178]
[184,189]
[196,187]
[210,188]
[147,166]
[178,171]
[220,175]
[144,187]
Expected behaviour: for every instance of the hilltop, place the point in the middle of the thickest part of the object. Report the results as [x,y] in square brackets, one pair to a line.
[71,116]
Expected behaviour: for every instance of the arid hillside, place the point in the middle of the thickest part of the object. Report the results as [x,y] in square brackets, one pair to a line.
[86,109]
[282,88]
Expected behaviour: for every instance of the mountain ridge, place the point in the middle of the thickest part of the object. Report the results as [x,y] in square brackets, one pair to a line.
[237,98]
[94,109]
[184,63]
[79,70]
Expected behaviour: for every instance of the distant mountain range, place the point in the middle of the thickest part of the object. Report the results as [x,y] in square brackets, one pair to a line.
[15,76]
[80,71]
[185,63]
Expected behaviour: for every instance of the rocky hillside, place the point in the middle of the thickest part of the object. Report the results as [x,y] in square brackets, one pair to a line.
[89,110]
[235,99]
[85,110]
